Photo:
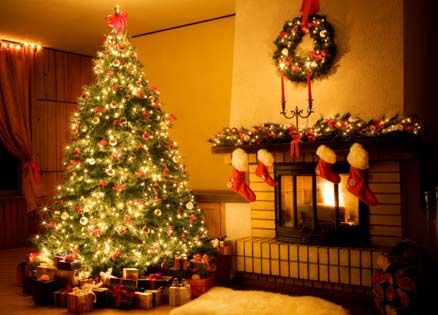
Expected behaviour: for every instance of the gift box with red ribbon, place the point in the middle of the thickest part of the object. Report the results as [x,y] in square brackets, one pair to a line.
[60,296]
[42,292]
[120,297]
[154,281]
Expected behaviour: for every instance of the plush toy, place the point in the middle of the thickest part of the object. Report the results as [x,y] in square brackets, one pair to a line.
[266,159]
[327,157]
[239,161]
[356,183]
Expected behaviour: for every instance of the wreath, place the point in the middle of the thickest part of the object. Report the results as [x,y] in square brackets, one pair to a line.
[318,61]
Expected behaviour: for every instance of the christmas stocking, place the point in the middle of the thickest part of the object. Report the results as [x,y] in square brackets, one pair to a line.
[356,184]
[239,161]
[327,157]
[266,159]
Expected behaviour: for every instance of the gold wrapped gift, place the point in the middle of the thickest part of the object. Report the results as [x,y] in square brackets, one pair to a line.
[144,300]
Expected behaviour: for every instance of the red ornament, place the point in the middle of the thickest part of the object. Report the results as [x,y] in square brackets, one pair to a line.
[102,142]
[99,109]
[78,208]
[109,73]
[295,68]
[103,183]
[117,122]
[75,162]
[115,88]
[193,218]
[139,173]
[172,118]
[146,115]
[117,21]
[77,152]
[166,171]
[52,224]
[70,258]
[140,93]
[116,255]
[95,232]
[128,220]
[283,34]
[146,136]
[170,143]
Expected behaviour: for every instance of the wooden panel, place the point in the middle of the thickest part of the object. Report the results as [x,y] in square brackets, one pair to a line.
[385,220]
[264,224]
[261,187]
[263,205]
[260,214]
[384,241]
[384,166]
[388,198]
[266,196]
[378,230]
[51,132]
[385,188]
[386,209]
[214,217]
[383,177]
[262,233]
[17,226]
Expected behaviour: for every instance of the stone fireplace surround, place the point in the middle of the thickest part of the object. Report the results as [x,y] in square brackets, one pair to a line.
[394,178]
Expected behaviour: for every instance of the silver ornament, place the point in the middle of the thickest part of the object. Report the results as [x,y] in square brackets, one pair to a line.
[83,220]
[91,161]
[65,216]
[189,205]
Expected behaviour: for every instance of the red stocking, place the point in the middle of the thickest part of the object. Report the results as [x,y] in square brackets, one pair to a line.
[238,185]
[327,157]
[266,159]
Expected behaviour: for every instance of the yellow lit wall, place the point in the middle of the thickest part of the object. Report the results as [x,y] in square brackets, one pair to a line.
[192,68]
[367,79]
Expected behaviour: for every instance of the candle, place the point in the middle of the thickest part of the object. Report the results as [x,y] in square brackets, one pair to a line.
[309,84]
[283,100]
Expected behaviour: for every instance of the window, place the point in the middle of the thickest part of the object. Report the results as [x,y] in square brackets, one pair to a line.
[10,170]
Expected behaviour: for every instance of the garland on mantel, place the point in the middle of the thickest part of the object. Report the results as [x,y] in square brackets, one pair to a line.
[340,127]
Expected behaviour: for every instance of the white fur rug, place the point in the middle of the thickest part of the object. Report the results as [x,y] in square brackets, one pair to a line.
[224,301]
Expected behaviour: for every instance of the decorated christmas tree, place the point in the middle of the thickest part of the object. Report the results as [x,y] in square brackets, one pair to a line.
[125,200]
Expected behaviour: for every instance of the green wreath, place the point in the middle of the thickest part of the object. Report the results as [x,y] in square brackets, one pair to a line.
[319,61]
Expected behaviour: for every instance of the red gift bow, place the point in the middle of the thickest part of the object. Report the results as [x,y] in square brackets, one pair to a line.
[196,258]
[118,21]
[154,276]
[119,292]
[33,257]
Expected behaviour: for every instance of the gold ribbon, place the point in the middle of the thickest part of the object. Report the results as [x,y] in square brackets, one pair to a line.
[85,290]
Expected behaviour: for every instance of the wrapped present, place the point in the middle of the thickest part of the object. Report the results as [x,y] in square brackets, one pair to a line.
[130,273]
[177,273]
[81,300]
[69,265]
[102,297]
[157,296]
[67,277]
[42,292]
[83,282]
[200,264]
[179,293]
[225,250]
[128,284]
[154,281]
[46,269]
[33,258]
[25,275]
[200,286]
[120,297]
[60,296]
[105,277]
[144,300]
[181,262]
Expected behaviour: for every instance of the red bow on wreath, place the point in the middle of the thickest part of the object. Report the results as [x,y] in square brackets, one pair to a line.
[308,7]
[118,21]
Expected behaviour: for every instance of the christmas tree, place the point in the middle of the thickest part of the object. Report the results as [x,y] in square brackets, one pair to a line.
[125,200]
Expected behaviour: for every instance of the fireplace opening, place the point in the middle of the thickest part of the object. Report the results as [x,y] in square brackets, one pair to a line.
[312,210]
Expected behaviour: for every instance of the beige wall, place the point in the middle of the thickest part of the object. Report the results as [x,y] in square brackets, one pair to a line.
[192,68]
[366,81]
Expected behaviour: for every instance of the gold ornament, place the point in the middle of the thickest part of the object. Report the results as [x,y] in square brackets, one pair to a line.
[157,212]
[113,141]
[83,220]
[96,120]
[110,171]
[189,205]
[65,216]
[91,161]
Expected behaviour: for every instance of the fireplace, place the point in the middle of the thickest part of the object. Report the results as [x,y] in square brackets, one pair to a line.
[312,210]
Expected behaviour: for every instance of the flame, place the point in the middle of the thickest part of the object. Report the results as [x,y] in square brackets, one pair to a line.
[328,194]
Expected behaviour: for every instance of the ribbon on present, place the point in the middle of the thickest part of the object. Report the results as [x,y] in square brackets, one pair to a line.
[152,277]
[106,276]
[85,290]
[120,294]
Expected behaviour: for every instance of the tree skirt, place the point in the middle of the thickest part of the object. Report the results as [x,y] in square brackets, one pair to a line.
[224,301]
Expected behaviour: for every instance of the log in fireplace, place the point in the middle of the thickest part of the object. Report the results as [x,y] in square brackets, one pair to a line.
[312,210]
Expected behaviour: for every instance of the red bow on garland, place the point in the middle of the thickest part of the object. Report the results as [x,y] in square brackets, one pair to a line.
[294,144]
[118,21]
[308,7]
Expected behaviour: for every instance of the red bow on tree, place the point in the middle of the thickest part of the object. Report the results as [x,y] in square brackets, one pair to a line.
[118,21]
